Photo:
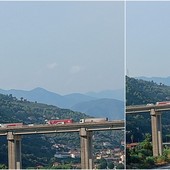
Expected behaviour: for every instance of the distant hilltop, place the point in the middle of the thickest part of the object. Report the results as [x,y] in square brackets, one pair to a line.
[158,80]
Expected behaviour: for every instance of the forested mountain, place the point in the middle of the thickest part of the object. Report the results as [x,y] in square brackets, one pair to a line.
[143,92]
[13,110]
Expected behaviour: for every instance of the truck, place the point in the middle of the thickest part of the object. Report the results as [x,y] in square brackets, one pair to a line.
[6,125]
[163,102]
[59,121]
[88,120]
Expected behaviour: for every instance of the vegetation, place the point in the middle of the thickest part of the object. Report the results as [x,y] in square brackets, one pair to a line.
[2,166]
[140,157]
[106,164]
[138,126]
[144,92]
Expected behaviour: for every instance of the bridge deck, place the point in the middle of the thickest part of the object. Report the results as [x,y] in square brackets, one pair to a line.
[74,127]
[147,108]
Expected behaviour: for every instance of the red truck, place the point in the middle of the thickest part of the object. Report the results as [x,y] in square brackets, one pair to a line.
[59,121]
[162,103]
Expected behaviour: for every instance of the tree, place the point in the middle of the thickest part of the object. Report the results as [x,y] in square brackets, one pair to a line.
[110,165]
[120,166]
[103,164]
[146,144]
[2,166]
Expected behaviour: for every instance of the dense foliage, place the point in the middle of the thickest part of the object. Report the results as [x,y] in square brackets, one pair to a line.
[144,92]
[13,110]
[140,157]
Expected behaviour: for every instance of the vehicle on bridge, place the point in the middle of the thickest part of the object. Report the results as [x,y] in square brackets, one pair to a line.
[163,102]
[88,120]
[5,125]
[150,104]
[59,121]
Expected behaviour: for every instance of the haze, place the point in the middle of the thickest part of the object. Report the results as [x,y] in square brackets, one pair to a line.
[63,47]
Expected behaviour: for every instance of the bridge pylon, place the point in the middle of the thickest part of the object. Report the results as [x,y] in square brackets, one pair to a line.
[86,149]
[14,151]
[156,132]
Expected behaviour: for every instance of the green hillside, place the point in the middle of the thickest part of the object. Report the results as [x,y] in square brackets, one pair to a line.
[13,110]
[143,92]
[138,126]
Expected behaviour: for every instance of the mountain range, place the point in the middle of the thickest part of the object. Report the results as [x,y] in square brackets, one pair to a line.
[100,104]
[158,80]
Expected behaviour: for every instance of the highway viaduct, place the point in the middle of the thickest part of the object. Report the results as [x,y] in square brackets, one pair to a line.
[85,130]
[156,125]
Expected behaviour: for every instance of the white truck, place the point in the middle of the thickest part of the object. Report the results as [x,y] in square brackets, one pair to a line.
[88,120]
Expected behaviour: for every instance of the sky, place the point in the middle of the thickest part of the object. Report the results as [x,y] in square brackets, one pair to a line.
[148,38]
[63,47]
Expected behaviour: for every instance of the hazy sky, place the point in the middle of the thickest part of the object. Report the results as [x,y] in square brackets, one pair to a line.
[62,46]
[148,38]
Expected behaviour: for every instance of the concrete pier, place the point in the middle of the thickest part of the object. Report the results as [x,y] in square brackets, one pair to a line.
[14,151]
[86,149]
[156,132]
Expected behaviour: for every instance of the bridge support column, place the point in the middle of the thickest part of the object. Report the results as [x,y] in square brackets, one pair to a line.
[18,152]
[14,151]
[86,149]
[156,132]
